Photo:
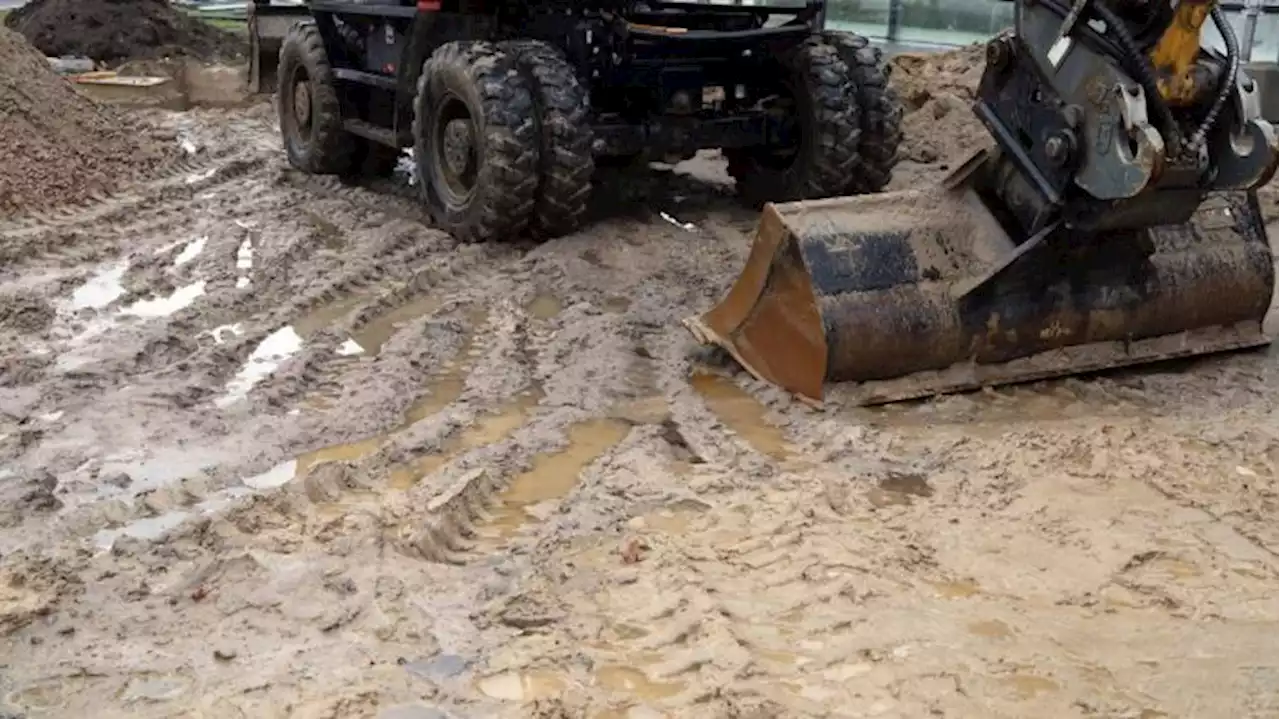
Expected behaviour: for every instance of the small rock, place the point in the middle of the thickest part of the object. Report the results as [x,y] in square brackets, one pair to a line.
[119,479]
[224,654]
[441,666]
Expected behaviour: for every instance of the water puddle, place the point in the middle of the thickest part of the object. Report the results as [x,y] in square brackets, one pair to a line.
[522,686]
[1174,569]
[486,430]
[100,290]
[191,251]
[632,681]
[265,358]
[152,528]
[1028,686]
[991,629]
[448,387]
[646,410]
[897,489]
[383,327]
[741,412]
[958,589]
[674,518]
[321,317]
[555,473]
[617,305]
[440,393]
[544,307]
[165,306]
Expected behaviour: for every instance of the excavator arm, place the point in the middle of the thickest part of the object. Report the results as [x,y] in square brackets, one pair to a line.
[1116,116]
[1111,221]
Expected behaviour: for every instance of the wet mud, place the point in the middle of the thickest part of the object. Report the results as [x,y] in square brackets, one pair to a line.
[277,448]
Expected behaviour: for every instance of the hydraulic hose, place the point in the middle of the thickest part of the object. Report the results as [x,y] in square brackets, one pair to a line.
[1141,70]
[1228,80]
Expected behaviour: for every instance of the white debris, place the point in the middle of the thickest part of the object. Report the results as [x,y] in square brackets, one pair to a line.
[686,226]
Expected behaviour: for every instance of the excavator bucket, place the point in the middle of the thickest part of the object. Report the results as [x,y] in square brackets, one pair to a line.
[916,293]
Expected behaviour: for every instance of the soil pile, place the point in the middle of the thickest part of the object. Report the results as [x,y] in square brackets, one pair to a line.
[116,30]
[937,92]
[59,144]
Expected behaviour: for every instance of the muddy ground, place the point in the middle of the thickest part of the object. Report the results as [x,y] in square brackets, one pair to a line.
[270,446]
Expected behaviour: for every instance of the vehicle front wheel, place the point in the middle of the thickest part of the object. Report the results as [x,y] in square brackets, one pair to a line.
[476,141]
[309,111]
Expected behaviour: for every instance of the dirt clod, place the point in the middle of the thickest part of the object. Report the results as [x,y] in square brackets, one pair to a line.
[115,30]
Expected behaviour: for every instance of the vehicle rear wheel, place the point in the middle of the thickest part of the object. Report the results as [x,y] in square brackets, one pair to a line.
[566,164]
[475,141]
[309,111]
[823,103]
[881,120]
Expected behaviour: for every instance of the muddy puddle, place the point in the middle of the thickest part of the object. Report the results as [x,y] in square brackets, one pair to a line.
[899,489]
[742,413]
[544,307]
[377,331]
[440,392]
[484,430]
[552,476]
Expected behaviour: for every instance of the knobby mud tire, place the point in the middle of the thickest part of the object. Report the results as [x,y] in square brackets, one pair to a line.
[566,164]
[881,120]
[829,117]
[328,149]
[485,77]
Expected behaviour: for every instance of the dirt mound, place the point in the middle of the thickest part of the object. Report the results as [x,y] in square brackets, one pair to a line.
[116,30]
[919,77]
[59,143]
[939,126]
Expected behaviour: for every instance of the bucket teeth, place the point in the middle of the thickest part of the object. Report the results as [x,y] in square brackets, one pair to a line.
[914,293]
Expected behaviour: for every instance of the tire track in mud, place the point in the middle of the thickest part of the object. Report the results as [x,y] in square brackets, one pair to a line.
[469,503]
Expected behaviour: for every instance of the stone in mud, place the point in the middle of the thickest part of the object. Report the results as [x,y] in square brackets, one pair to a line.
[529,611]
[35,497]
[25,312]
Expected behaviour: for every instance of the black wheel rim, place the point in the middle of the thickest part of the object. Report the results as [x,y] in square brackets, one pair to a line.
[455,159]
[299,110]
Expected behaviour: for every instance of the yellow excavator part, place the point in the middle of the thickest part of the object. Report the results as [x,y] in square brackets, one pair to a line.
[1174,56]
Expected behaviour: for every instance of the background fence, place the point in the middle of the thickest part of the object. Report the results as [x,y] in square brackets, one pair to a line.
[924,23]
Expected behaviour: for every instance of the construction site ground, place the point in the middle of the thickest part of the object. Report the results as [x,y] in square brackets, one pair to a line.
[270,446]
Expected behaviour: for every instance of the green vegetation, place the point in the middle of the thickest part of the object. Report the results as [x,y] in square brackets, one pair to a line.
[231,25]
